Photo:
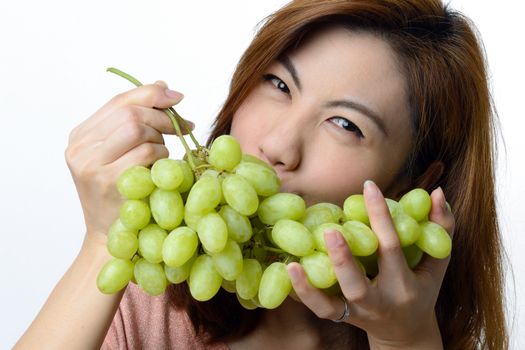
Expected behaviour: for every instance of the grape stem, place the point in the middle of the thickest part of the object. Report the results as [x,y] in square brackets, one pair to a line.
[172,114]
[275,250]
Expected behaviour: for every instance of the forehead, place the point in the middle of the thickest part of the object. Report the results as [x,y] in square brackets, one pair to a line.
[359,65]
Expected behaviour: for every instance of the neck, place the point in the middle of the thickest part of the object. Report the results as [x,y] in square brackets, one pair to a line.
[290,317]
[290,326]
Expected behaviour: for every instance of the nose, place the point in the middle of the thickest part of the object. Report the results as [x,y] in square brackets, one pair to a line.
[282,145]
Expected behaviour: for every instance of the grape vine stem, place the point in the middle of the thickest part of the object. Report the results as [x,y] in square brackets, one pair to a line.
[172,114]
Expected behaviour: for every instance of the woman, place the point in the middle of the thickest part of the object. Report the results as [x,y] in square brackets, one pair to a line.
[330,93]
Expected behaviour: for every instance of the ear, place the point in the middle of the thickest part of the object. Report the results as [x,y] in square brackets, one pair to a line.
[432,175]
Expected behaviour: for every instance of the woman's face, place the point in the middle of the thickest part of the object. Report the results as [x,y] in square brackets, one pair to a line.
[329,116]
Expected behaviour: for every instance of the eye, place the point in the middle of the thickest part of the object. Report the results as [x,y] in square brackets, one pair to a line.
[277,82]
[347,125]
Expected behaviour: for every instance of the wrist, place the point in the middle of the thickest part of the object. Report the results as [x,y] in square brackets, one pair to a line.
[94,247]
[428,337]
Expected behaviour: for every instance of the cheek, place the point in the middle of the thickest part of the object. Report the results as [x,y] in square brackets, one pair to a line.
[246,128]
[333,179]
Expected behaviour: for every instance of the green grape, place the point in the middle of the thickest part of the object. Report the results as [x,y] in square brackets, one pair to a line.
[275,285]
[337,212]
[239,194]
[134,260]
[188,176]
[151,240]
[293,237]
[204,196]
[247,284]
[150,277]
[416,203]
[212,232]
[248,158]
[256,301]
[319,231]
[167,208]
[179,246]
[281,206]
[370,264]
[135,214]
[407,229]
[355,209]
[192,220]
[393,207]
[228,286]
[167,174]
[211,172]
[181,273]
[228,262]
[225,153]
[319,270]
[315,216]
[364,241]
[204,279]
[413,255]
[247,304]
[434,240]
[135,182]
[122,244]
[114,276]
[263,179]
[118,226]
[239,227]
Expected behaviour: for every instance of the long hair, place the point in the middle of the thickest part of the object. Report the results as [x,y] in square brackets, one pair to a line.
[452,118]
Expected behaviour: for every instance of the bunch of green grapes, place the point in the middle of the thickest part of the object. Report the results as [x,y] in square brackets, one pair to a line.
[220,221]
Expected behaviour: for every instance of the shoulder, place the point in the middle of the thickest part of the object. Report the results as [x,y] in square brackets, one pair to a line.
[146,322]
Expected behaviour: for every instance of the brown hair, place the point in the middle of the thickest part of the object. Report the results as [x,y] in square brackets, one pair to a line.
[453,122]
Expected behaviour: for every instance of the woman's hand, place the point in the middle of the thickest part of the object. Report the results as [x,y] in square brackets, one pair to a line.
[396,308]
[126,131]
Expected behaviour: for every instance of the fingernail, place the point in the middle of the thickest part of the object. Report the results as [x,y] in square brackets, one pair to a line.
[190,124]
[370,187]
[173,94]
[443,202]
[331,240]
[293,273]
[161,83]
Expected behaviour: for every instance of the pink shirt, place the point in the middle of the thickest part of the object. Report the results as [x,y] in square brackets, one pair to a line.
[146,322]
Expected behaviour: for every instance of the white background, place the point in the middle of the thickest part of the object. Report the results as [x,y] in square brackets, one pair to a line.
[53,56]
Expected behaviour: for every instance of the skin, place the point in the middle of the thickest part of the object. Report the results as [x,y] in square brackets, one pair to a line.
[315,157]
[286,122]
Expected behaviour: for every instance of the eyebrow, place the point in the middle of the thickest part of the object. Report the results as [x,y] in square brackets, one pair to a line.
[361,109]
[287,63]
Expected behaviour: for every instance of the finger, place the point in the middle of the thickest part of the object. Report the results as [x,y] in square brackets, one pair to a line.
[353,282]
[441,215]
[390,256]
[161,83]
[145,154]
[125,138]
[132,116]
[322,305]
[151,96]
